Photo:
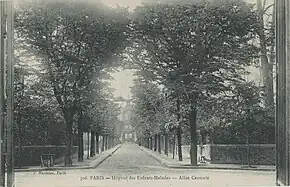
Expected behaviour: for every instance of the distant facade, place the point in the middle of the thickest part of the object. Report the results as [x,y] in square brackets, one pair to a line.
[128,133]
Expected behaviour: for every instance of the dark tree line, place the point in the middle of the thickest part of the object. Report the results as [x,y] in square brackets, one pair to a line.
[191,59]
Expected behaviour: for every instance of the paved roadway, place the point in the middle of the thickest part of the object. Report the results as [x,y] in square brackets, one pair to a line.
[130,166]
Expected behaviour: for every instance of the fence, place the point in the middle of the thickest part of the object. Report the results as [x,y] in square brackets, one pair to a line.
[186,151]
[260,154]
[30,155]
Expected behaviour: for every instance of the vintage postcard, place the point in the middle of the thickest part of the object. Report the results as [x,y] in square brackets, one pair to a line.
[103,93]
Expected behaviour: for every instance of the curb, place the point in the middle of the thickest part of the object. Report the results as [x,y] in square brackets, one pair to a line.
[172,166]
[101,160]
[155,157]
[219,168]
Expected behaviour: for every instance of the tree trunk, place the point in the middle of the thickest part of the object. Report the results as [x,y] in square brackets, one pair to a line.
[162,143]
[93,141]
[151,143]
[170,143]
[193,145]
[248,151]
[173,150]
[178,131]
[69,137]
[272,63]
[159,143]
[80,137]
[97,143]
[106,142]
[148,143]
[81,147]
[155,142]
[113,141]
[110,142]
[88,156]
[103,143]
[179,144]
[166,144]
[267,68]
[19,139]
[68,156]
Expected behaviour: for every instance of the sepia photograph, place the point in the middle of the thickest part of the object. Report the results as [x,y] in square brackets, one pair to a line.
[105,93]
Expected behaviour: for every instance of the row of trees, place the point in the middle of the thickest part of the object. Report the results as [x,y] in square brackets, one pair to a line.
[190,59]
[191,64]
[77,45]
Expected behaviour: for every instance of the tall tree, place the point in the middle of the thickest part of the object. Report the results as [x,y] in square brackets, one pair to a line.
[145,105]
[78,40]
[101,116]
[175,44]
[266,41]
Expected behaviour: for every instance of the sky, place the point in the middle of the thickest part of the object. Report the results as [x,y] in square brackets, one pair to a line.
[130,3]
[123,79]
[122,83]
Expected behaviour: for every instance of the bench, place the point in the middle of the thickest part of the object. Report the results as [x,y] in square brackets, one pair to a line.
[47,160]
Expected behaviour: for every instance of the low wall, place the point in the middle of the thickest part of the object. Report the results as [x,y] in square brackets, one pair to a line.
[30,155]
[186,151]
[260,154]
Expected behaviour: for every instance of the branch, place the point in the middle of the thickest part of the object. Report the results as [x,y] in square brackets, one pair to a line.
[52,78]
[55,86]
[266,9]
[63,85]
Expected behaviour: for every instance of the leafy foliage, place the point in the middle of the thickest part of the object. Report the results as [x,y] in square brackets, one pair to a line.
[238,115]
[79,43]
[178,48]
